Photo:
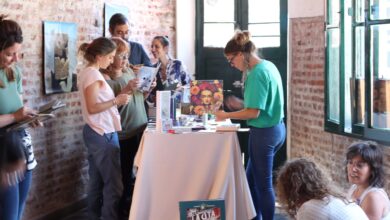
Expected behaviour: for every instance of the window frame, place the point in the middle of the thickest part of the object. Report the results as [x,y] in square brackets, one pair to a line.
[362,131]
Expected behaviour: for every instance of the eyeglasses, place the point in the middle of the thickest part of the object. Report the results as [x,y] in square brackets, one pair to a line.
[358,164]
[122,56]
[230,61]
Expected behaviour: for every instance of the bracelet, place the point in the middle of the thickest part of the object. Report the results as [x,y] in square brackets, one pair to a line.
[114,102]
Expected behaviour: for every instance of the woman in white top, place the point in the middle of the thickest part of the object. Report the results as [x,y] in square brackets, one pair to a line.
[305,193]
[364,168]
[99,110]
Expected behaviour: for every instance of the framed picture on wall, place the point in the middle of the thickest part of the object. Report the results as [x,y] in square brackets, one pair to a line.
[60,57]
[109,11]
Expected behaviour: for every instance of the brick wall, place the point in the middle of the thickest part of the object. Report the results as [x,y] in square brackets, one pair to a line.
[61,176]
[306,101]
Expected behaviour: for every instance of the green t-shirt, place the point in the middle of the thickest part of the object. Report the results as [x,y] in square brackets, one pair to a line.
[133,115]
[264,91]
[10,100]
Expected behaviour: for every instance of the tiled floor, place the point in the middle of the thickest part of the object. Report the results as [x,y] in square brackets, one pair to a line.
[82,215]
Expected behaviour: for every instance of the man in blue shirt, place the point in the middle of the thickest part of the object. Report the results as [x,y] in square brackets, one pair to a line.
[119,27]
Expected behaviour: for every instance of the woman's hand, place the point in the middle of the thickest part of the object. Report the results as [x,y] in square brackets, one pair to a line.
[136,67]
[133,84]
[122,99]
[221,115]
[24,113]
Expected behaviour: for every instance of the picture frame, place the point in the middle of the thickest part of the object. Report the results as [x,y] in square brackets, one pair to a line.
[202,209]
[206,96]
[60,57]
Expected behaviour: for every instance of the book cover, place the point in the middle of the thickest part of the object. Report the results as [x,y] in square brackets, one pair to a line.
[163,111]
[146,77]
[202,210]
[206,96]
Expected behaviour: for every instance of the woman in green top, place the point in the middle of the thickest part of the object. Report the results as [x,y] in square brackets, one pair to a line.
[16,151]
[263,110]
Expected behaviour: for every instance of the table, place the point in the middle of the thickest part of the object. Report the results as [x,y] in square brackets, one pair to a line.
[189,166]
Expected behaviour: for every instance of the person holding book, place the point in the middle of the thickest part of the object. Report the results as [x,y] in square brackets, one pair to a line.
[16,151]
[100,112]
[119,27]
[364,169]
[171,74]
[133,118]
[263,110]
[306,193]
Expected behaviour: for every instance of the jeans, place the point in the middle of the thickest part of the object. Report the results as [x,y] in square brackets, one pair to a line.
[263,144]
[13,198]
[105,179]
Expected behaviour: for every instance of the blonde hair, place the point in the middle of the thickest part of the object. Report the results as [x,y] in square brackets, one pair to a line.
[240,42]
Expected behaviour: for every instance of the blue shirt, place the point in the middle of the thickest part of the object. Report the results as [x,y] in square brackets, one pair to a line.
[138,54]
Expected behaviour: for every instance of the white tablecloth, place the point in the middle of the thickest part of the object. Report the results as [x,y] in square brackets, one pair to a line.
[190,166]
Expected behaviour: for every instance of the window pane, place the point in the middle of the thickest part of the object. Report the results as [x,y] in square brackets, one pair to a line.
[359,76]
[219,11]
[359,10]
[217,35]
[333,12]
[333,64]
[271,29]
[380,9]
[380,70]
[262,42]
[263,11]
[347,67]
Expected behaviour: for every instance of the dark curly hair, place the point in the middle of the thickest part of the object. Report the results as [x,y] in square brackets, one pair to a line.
[300,180]
[372,154]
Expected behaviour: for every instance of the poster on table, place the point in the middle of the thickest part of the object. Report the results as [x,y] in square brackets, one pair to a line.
[206,96]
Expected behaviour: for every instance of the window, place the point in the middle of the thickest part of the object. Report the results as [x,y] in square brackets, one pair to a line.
[260,17]
[358,68]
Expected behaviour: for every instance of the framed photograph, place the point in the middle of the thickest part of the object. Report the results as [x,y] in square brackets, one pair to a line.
[109,11]
[206,96]
[202,209]
[60,57]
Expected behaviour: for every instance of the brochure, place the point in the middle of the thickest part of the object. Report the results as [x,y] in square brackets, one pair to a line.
[146,77]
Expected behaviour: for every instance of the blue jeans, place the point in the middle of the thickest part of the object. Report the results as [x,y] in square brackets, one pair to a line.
[105,179]
[13,199]
[263,144]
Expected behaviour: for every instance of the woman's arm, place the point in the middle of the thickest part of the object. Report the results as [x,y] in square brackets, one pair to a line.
[246,113]
[374,205]
[91,94]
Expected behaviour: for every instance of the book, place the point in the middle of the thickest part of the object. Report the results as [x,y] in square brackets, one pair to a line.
[228,127]
[44,113]
[202,210]
[206,96]
[146,77]
[163,111]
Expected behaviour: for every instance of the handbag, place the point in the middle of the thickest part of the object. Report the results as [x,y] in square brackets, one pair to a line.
[12,157]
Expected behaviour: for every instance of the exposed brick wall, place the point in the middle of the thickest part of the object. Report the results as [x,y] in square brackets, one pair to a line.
[61,176]
[306,101]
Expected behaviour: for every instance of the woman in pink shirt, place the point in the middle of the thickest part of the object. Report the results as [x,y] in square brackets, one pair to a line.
[99,110]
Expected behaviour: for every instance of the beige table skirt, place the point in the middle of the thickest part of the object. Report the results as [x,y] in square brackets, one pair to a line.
[191,166]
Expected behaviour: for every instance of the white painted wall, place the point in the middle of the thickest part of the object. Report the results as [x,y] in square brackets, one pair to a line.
[185,33]
[306,8]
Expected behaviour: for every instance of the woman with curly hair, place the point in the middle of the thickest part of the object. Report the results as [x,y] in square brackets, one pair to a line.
[305,192]
[364,168]
[263,110]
